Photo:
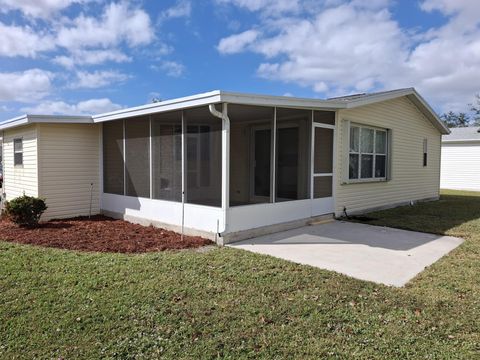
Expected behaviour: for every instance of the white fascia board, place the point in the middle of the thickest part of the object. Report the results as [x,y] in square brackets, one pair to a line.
[34,119]
[17,121]
[212,97]
[280,101]
[59,119]
[429,112]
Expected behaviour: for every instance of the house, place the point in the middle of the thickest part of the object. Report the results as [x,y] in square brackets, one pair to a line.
[461,159]
[252,164]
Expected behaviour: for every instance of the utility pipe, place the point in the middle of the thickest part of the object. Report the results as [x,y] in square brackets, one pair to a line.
[225,160]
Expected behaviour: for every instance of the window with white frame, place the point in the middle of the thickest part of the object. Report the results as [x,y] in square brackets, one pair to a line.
[367,153]
[18,152]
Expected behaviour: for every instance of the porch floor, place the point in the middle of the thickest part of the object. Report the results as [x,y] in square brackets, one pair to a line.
[379,254]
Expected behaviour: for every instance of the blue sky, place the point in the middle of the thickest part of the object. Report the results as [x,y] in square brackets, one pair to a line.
[91,56]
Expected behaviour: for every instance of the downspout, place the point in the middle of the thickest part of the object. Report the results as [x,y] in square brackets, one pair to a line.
[225,162]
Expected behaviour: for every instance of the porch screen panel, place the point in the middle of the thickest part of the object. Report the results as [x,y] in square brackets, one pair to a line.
[292,154]
[251,154]
[137,156]
[322,187]
[324,117]
[323,162]
[203,157]
[113,166]
[323,158]
[167,156]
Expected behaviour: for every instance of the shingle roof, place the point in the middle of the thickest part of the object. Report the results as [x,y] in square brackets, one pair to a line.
[471,133]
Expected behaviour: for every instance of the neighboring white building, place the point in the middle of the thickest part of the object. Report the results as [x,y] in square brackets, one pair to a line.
[461,159]
[229,165]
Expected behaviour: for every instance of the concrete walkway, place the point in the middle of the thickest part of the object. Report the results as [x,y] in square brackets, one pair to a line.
[379,254]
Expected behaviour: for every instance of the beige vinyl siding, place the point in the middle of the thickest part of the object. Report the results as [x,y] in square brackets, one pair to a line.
[461,166]
[68,164]
[21,179]
[410,180]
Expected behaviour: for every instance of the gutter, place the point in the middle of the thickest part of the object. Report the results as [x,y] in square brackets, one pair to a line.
[225,161]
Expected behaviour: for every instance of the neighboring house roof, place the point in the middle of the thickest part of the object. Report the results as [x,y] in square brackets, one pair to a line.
[465,134]
[215,97]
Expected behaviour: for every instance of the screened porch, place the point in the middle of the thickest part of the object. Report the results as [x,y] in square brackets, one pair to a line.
[273,157]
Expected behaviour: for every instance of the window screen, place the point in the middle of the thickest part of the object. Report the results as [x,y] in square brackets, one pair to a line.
[203,157]
[18,151]
[251,150]
[113,166]
[167,156]
[137,157]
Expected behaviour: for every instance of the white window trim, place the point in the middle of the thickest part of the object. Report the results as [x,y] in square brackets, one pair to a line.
[17,152]
[359,153]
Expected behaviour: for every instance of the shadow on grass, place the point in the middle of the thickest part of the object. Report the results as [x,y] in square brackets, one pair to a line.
[437,217]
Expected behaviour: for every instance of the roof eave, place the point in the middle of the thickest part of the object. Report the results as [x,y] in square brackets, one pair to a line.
[163,106]
[411,94]
[35,119]
[461,141]
[279,101]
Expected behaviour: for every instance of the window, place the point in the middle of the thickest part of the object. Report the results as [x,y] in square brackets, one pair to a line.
[18,152]
[367,153]
[425,152]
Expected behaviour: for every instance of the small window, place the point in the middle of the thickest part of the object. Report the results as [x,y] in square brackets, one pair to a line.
[425,152]
[18,152]
[367,153]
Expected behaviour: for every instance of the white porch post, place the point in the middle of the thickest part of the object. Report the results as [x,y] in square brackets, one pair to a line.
[183,172]
[225,163]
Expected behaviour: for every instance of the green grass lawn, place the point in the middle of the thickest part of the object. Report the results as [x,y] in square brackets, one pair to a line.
[233,304]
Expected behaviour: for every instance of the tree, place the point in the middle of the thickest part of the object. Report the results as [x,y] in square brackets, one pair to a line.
[453,120]
[475,109]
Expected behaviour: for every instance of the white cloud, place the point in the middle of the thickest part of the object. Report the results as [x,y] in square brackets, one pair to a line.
[87,107]
[118,23]
[267,6]
[91,57]
[26,86]
[23,41]
[341,48]
[96,79]
[238,42]
[38,8]
[357,46]
[181,9]
[171,68]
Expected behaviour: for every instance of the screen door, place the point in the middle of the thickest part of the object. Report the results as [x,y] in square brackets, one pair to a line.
[322,169]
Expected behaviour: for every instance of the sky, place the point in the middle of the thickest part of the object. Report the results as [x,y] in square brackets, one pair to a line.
[94,56]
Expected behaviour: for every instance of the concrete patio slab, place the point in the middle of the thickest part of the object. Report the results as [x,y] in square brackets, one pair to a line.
[379,254]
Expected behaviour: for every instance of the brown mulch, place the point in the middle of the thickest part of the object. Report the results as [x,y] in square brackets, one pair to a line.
[99,233]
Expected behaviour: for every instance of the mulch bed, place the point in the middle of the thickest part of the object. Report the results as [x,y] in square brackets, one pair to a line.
[99,233]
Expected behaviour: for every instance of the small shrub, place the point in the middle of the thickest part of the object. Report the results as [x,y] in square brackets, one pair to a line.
[25,210]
